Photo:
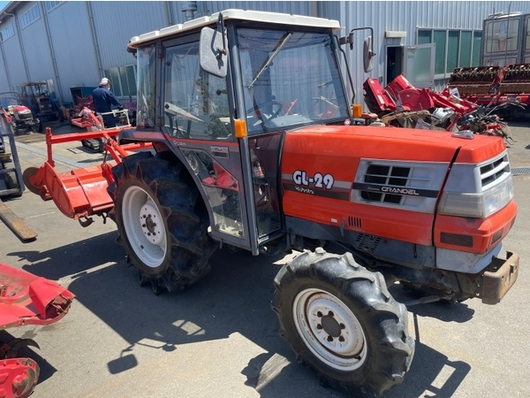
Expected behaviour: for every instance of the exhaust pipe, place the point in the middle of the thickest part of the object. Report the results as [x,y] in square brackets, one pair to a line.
[189,8]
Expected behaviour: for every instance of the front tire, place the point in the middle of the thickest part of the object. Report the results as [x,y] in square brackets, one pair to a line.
[340,319]
[162,222]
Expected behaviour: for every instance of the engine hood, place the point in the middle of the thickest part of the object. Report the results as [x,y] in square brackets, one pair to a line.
[21,109]
[355,142]
[382,181]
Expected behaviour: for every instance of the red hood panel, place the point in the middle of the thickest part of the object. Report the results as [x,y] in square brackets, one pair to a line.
[390,143]
[20,109]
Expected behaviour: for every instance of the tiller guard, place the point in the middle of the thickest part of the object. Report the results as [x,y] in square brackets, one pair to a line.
[79,193]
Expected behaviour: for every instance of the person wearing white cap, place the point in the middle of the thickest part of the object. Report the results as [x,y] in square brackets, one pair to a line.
[103,100]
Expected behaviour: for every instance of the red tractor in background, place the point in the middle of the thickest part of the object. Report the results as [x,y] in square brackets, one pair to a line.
[16,116]
[245,139]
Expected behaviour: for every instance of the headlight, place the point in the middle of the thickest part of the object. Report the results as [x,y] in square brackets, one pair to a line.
[477,205]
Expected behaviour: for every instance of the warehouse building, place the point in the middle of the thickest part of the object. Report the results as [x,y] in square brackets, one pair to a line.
[72,44]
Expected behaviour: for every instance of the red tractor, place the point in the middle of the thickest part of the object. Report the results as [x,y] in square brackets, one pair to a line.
[253,145]
[16,116]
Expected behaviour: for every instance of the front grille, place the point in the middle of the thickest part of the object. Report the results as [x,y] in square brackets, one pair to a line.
[383,175]
[491,172]
[25,116]
[399,184]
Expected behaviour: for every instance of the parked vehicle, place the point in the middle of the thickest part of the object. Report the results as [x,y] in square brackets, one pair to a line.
[16,116]
[253,145]
[36,96]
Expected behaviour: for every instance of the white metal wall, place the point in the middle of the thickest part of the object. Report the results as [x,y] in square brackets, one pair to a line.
[72,42]
[289,7]
[36,48]
[88,37]
[116,22]
[13,61]
[406,16]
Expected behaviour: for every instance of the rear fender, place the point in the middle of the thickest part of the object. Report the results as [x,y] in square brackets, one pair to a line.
[133,136]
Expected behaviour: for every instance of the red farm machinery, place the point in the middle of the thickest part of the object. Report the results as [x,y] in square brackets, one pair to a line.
[245,139]
[25,299]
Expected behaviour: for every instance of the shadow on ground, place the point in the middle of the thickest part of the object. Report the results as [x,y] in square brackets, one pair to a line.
[234,297]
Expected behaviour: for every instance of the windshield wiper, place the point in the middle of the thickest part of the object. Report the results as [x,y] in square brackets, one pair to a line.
[271,56]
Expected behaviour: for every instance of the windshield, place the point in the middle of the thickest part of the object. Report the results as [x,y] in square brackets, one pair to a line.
[289,79]
[8,99]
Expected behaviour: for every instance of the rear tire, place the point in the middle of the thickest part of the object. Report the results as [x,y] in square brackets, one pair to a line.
[162,222]
[340,320]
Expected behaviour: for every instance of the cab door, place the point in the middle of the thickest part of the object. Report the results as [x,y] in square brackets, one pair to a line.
[197,121]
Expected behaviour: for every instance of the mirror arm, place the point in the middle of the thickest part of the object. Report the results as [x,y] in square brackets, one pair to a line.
[349,39]
[347,68]
[221,29]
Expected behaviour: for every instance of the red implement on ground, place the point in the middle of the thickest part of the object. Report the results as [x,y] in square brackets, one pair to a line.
[25,299]
[80,193]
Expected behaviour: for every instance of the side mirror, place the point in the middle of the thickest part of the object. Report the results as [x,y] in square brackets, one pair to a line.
[368,54]
[213,56]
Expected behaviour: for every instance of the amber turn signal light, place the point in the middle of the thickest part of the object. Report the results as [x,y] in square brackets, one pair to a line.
[240,127]
[357,110]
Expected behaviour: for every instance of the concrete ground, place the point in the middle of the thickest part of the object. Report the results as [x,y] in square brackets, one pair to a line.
[220,338]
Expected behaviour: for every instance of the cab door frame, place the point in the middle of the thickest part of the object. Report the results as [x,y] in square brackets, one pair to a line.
[231,154]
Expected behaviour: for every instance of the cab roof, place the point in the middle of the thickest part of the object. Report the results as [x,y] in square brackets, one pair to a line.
[235,14]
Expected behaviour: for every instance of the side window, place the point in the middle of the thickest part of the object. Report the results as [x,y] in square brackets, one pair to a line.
[504,36]
[145,117]
[195,102]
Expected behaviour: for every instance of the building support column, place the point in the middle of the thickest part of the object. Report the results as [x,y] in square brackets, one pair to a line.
[56,78]
[21,43]
[92,25]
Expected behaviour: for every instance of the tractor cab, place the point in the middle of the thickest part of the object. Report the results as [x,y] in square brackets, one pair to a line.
[37,97]
[226,95]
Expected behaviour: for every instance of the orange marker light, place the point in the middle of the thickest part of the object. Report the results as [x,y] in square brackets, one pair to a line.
[240,128]
[357,110]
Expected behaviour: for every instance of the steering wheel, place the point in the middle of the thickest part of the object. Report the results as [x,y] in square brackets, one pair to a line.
[273,103]
[330,108]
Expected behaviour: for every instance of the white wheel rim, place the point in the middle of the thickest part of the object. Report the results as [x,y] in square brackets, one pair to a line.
[144,226]
[329,329]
